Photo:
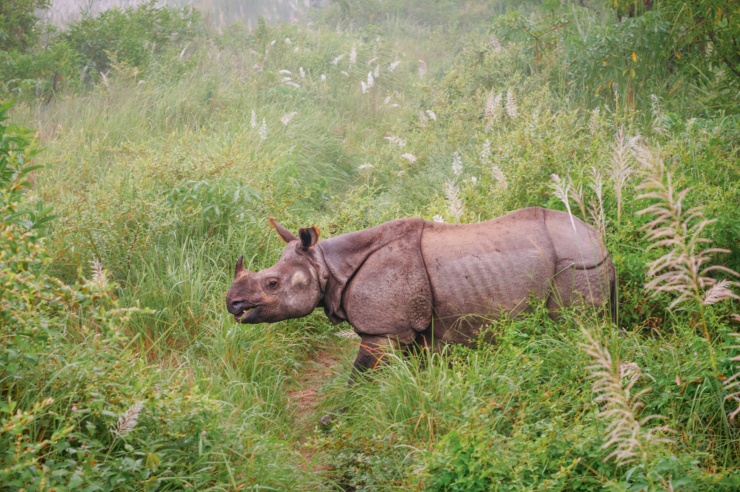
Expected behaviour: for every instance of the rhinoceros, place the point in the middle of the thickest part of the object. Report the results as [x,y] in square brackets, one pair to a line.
[412,282]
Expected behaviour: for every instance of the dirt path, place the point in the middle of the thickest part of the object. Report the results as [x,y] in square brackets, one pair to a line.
[305,398]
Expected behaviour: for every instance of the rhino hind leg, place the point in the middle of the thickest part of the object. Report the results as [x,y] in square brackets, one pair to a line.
[586,287]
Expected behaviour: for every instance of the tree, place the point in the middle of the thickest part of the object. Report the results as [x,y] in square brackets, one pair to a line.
[19,23]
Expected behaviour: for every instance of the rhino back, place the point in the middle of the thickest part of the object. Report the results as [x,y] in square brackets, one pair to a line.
[480,269]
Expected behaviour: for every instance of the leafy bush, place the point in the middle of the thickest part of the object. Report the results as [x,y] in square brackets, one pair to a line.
[19,24]
[132,36]
[86,52]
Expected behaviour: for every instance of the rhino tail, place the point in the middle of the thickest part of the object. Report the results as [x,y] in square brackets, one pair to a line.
[613,304]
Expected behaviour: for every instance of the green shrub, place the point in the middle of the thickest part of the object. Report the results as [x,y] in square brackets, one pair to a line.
[131,36]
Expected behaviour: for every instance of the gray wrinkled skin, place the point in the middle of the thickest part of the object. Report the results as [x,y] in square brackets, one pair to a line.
[411,281]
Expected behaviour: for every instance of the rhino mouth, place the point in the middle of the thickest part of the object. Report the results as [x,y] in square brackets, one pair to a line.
[245,312]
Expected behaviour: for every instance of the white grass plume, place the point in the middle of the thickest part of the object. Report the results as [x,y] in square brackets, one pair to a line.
[285,120]
[457,166]
[492,109]
[732,384]
[561,188]
[683,269]
[422,69]
[511,108]
[128,420]
[621,169]
[626,435]
[596,208]
[396,140]
[455,205]
[720,292]
[409,157]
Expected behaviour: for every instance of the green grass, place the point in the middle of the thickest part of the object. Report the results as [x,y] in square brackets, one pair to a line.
[167,182]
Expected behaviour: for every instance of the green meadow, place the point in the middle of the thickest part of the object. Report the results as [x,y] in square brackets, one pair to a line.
[144,148]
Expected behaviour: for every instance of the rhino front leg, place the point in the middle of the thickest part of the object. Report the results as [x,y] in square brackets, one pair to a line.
[371,352]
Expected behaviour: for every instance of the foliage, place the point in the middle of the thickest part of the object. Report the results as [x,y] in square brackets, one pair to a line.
[164,173]
[132,36]
[90,49]
[18,23]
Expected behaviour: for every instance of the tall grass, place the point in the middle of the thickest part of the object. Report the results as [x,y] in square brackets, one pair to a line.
[162,179]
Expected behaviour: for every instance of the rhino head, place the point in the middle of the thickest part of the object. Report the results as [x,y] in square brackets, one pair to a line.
[292,288]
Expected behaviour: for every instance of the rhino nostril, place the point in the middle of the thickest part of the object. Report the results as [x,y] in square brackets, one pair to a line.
[238,306]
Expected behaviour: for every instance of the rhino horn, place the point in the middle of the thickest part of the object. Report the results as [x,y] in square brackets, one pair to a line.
[309,236]
[285,234]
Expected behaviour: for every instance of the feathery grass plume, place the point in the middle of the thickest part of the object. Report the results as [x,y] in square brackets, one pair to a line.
[498,175]
[438,218]
[561,189]
[99,276]
[596,208]
[365,166]
[336,60]
[615,91]
[323,78]
[494,44]
[128,420]
[511,108]
[455,204]
[370,80]
[253,120]
[576,193]
[376,71]
[594,121]
[262,132]
[285,72]
[423,120]
[409,157]
[288,117]
[422,69]
[485,153]
[657,113]
[301,72]
[396,140]
[104,78]
[492,109]
[353,56]
[720,292]
[681,269]
[732,384]
[363,87]
[393,65]
[456,163]
[620,170]
[432,115]
[613,385]
[292,84]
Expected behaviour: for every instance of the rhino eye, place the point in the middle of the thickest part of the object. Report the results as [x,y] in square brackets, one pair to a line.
[272,283]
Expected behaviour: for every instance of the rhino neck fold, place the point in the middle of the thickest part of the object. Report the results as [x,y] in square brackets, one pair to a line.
[344,256]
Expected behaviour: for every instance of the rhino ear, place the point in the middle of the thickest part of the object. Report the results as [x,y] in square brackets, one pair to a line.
[285,234]
[309,236]
[239,266]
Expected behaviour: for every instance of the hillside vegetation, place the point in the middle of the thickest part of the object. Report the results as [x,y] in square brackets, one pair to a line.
[145,148]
